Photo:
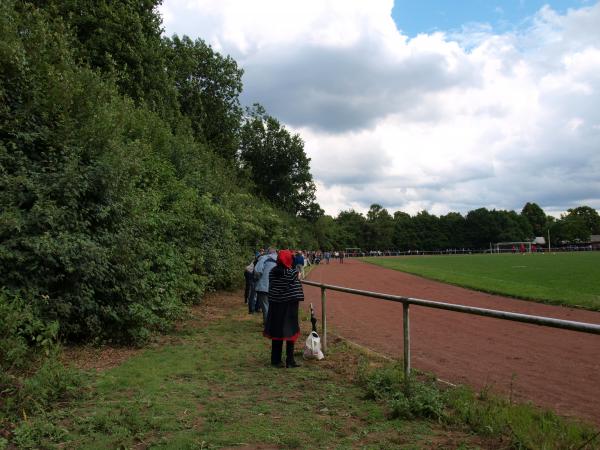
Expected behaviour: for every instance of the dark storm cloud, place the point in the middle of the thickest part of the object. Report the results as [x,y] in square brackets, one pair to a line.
[341,89]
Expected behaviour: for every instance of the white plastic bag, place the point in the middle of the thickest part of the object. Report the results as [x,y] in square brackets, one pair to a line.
[312,347]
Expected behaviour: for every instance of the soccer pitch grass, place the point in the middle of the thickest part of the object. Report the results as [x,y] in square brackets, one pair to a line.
[570,279]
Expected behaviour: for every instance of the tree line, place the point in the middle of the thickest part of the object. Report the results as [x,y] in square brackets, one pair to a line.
[381,230]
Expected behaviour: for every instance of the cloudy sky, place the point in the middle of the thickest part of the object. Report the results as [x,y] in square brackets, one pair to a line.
[423,105]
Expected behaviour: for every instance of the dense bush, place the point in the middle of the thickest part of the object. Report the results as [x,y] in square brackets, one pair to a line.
[111,218]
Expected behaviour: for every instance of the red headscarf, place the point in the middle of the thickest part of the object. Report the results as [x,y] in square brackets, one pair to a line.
[285,258]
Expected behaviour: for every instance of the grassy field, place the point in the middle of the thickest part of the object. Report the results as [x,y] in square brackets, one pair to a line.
[210,386]
[571,279]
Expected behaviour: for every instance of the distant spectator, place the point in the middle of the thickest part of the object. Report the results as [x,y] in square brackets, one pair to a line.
[299,263]
[249,277]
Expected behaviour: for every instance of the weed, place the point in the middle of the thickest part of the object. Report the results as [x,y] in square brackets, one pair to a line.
[423,400]
[37,433]
[51,383]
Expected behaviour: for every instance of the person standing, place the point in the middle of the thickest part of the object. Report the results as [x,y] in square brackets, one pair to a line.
[299,264]
[285,293]
[249,290]
[261,274]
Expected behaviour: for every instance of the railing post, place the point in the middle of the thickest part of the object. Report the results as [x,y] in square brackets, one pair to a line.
[323,321]
[406,347]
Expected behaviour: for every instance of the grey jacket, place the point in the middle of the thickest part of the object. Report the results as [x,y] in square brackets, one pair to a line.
[263,267]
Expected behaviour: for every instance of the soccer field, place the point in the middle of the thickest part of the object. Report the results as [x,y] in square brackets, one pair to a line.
[571,279]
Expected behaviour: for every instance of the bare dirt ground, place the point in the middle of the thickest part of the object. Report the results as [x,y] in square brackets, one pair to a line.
[553,368]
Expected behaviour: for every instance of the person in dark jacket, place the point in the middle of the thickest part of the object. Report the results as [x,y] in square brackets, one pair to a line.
[285,291]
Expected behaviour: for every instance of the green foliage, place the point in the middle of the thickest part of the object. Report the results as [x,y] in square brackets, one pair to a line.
[425,231]
[122,40]
[120,201]
[351,225]
[38,433]
[523,425]
[577,225]
[111,219]
[379,228]
[422,400]
[485,227]
[208,88]
[536,217]
[52,382]
[22,333]
[588,215]
[31,377]
[277,164]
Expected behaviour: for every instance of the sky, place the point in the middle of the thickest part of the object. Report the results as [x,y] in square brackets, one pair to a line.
[423,105]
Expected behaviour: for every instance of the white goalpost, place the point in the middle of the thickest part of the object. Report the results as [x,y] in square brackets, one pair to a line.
[512,247]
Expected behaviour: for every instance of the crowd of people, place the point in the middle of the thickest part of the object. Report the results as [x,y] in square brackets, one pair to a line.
[273,287]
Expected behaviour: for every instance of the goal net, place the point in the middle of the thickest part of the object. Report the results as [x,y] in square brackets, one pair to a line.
[512,247]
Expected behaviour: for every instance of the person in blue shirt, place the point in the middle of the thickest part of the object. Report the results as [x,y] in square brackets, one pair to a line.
[299,264]
[263,266]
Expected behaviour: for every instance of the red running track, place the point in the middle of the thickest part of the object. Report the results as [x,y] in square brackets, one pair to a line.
[553,368]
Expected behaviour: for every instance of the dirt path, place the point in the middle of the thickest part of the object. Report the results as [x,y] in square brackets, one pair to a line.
[553,368]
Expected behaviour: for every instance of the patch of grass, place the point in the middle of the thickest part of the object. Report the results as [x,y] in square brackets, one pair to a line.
[214,388]
[570,279]
[508,425]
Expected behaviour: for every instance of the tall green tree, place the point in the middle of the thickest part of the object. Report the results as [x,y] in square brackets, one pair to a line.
[405,237]
[121,39]
[276,162]
[482,228]
[577,225]
[588,215]
[351,226]
[429,235]
[535,216]
[327,233]
[379,228]
[453,226]
[208,88]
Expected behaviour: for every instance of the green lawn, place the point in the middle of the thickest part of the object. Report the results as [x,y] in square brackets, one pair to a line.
[571,279]
[210,386]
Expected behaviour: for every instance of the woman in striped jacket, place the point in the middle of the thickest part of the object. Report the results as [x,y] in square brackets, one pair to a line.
[285,291]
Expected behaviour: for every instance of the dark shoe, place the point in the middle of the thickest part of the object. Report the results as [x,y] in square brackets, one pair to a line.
[279,365]
[292,364]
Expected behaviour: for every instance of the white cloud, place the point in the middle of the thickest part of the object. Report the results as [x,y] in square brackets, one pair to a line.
[438,122]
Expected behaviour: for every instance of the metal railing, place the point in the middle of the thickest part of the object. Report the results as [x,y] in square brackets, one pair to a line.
[406,301]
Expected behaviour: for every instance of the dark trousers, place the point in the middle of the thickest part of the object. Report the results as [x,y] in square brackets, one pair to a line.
[277,349]
[249,281]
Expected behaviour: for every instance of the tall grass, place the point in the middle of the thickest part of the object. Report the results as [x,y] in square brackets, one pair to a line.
[516,425]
